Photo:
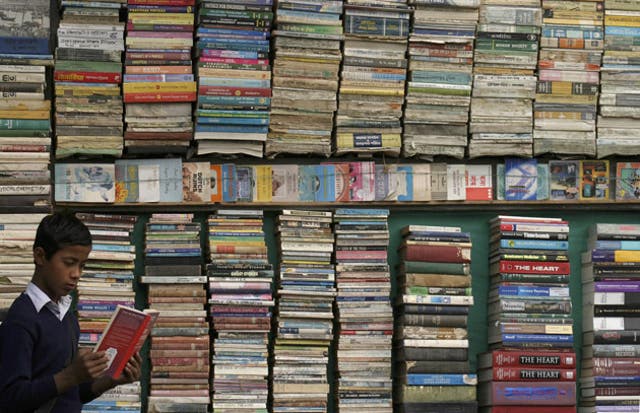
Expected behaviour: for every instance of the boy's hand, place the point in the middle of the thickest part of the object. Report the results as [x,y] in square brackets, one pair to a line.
[131,371]
[88,365]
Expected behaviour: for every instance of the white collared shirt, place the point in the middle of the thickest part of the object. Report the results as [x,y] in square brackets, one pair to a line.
[40,299]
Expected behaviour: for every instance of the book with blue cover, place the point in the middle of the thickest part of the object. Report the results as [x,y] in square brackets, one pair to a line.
[521,179]
[317,183]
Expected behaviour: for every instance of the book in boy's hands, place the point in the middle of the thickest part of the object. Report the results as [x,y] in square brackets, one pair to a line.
[124,336]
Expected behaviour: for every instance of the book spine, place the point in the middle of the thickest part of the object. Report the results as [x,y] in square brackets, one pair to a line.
[503,373]
[510,393]
[532,267]
[532,358]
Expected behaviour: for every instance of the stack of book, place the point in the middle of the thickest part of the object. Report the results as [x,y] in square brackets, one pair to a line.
[364,311]
[529,311]
[158,85]
[107,281]
[611,320]
[436,116]
[234,77]
[25,107]
[305,68]
[88,75]
[568,77]
[370,106]
[306,292]
[16,244]
[179,350]
[240,300]
[618,118]
[432,370]
[505,58]
[25,136]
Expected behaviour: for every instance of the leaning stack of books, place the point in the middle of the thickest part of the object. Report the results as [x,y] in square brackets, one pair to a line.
[234,77]
[107,281]
[240,300]
[306,64]
[529,313]
[432,369]
[436,117]
[158,85]
[306,292]
[179,350]
[504,85]
[376,38]
[16,244]
[88,75]
[364,310]
[618,118]
[611,319]
[568,77]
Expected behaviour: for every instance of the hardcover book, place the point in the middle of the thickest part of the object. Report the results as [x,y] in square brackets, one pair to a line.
[124,336]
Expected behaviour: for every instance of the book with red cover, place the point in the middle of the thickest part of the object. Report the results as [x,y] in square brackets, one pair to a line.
[528,358]
[437,253]
[124,336]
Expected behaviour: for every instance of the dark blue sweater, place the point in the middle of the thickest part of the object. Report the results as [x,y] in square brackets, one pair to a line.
[33,348]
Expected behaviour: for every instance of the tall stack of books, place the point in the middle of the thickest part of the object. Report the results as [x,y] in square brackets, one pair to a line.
[25,105]
[505,58]
[158,85]
[432,370]
[179,350]
[240,299]
[16,244]
[568,77]
[107,281]
[529,314]
[618,117]
[376,38]
[305,77]
[88,75]
[436,117]
[364,311]
[234,77]
[306,292]
[611,319]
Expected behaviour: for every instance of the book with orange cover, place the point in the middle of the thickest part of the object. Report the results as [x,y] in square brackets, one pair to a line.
[124,336]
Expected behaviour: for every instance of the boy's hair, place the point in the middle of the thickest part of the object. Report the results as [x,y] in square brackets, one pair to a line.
[60,230]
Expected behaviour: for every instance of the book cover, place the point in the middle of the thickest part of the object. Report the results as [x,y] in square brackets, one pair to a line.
[262,183]
[456,190]
[196,181]
[284,184]
[228,184]
[478,183]
[542,191]
[521,181]
[421,182]
[439,181]
[148,180]
[317,183]
[244,182]
[594,179]
[563,180]
[215,183]
[362,181]
[125,334]
[85,182]
[627,181]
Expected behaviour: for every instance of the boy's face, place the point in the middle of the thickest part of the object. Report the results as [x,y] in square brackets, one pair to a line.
[59,275]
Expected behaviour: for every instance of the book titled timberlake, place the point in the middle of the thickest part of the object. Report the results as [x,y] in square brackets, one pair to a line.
[124,336]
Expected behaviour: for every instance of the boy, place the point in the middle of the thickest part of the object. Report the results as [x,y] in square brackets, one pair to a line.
[41,369]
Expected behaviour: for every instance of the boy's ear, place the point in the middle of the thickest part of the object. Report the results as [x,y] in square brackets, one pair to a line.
[39,256]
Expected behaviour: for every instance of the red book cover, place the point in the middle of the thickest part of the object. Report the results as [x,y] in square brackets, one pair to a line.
[87,77]
[508,373]
[124,336]
[528,358]
[437,253]
[234,91]
[534,267]
[159,97]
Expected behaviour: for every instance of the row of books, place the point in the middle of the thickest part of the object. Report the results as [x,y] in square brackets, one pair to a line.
[175,181]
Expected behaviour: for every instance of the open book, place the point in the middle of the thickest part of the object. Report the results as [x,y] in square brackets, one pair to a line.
[124,336]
